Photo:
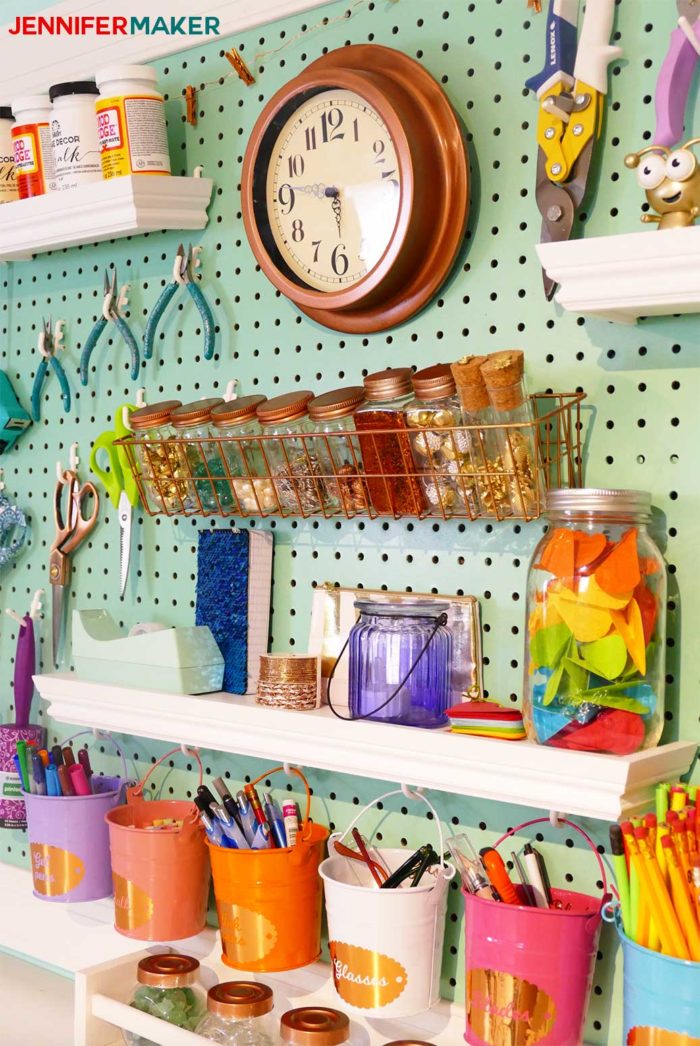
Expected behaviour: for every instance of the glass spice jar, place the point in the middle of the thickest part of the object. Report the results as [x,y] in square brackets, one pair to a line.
[158,462]
[331,415]
[291,461]
[492,488]
[443,457]
[315,1026]
[596,625]
[190,424]
[239,1015]
[168,988]
[241,459]
[393,485]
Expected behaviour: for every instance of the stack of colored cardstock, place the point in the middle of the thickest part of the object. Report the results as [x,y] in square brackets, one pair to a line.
[487,719]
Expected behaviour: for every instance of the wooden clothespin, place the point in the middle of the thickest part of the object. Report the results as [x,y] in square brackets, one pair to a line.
[191,102]
[238,63]
[535,5]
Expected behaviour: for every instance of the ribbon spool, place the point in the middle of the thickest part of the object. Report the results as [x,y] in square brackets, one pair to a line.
[289,681]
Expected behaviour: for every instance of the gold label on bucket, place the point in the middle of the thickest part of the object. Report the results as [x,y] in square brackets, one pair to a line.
[55,871]
[364,978]
[246,936]
[132,905]
[504,1010]
[660,1037]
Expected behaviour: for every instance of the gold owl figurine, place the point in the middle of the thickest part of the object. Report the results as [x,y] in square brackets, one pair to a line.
[671,181]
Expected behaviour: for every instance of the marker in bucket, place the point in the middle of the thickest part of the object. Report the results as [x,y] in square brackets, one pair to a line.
[498,875]
[291,822]
[227,799]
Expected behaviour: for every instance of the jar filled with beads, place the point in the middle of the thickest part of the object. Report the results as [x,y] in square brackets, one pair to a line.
[291,460]
[200,458]
[247,488]
[238,1014]
[331,416]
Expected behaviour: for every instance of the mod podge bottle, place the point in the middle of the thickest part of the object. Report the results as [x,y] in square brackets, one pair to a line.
[131,122]
[8,176]
[31,143]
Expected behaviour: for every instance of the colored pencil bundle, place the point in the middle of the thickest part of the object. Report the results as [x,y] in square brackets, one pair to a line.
[657,868]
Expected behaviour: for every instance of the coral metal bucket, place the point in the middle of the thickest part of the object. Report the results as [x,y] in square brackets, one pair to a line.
[161,876]
[270,902]
[529,970]
[385,945]
[69,841]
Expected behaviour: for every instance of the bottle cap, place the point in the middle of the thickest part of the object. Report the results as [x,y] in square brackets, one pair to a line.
[314,1026]
[336,404]
[601,500]
[290,406]
[153,414]
[235,412]
[240,999]
[167,971]
[73,87]
[30,101]
[6,113]
[471,387]
[503,375]
[433,383]
[191,413]
[126,72]
[388,384]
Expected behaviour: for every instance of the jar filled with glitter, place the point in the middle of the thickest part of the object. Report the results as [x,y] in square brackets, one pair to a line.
[292,462]
[331,416]
[492,488]
[239,1015]
[441,450]
[161,470]
[247,489]
[394,488]
[199,457]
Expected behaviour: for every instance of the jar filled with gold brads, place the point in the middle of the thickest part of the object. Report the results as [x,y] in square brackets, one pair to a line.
[291,459]
[161,470]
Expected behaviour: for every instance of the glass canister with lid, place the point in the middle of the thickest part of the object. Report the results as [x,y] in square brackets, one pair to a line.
[190,424]
[168,988]
[291,460]
[249,490]
[331,415]
[238,1014]
[158,461]
[596,625]
[315,1026]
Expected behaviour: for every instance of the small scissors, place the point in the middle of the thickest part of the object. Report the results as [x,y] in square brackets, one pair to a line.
[71,531]
[111,304]
[120,485]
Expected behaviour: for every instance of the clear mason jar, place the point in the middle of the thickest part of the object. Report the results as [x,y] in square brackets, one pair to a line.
[292,462]
[190,424]
[238,1014]
[316,1026]
[331,415]
[394,488]
[596,625]
[241,459]
[168,988]
[158,462]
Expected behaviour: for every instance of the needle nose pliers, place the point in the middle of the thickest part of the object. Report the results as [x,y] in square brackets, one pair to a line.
[111,304]
[49,344]
[183,276]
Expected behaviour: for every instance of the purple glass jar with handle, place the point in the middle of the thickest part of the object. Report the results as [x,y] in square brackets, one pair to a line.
[395,643]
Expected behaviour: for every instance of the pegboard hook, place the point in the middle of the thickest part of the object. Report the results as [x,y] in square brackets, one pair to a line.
[141,397]
[15,617]
[74,461]
[36,604]
[231,393]
[189,750]
[411,793]
[556,819]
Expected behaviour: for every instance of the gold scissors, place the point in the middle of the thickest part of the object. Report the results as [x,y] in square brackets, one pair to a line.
[71,530]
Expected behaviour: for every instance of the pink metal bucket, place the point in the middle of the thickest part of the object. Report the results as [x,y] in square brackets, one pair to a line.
[529,970]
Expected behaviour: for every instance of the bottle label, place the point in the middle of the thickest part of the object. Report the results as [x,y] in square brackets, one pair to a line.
[75,149]
[10,787]
[31,144]
[133,136]
[8,179]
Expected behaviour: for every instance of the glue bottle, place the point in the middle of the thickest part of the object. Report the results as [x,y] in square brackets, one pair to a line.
[131,122]
[8,176]
[31,141]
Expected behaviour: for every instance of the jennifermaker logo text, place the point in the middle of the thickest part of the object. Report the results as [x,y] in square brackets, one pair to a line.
[114,25]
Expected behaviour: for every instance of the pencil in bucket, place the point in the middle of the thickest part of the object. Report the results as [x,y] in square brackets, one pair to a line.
[270,902]
[385,944]
[69,841]
[160,870]
[528,969]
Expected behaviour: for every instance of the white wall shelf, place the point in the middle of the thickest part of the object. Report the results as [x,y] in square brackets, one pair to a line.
[579,783]
[621,278]
[102,211]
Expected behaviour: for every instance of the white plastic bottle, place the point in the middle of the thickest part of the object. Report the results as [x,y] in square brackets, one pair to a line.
[8,178]
[74,140]
[31,142]
[131,122]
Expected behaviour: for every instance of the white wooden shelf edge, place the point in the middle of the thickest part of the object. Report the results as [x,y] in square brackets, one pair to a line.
[621,278]
[102,211]
[580,783]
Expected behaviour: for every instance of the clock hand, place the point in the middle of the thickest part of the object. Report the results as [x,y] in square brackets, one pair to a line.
[319,190]
[337,211]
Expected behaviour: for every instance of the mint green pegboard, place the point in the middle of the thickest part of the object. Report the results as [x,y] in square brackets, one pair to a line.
[641,394]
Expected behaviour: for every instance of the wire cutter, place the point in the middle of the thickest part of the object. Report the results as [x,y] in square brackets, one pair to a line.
[49,344]
[119,484]
[183,276]
[676,74]
[111,305]
[570,90]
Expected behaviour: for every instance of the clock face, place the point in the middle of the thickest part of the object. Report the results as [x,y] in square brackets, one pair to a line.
[333,190]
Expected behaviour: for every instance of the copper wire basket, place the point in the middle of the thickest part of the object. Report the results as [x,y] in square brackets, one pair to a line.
[301,475]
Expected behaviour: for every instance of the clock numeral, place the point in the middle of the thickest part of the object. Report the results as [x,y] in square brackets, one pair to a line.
[388,174]
[286,197]
[339,260]
[310,134]
[356,130]
[316,244]
[378,149]
[330,124]
[296,165]
[297,230]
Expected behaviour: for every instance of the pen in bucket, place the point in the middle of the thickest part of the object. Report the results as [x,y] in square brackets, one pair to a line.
[227,799]
[262,828]
[275,821]
[229,827]
[212,827]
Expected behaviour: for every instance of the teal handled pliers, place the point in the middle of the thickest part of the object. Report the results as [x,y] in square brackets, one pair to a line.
[183,276]
[111,304]
[119,483]
[49,345]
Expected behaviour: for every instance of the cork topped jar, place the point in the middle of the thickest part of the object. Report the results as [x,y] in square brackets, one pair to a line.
[158,462]
[239,1015]
[492,487]
[190,424]
[241,459]
[293,465]
[331,415]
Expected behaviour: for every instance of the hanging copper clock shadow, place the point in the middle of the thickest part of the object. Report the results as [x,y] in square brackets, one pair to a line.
[355,188]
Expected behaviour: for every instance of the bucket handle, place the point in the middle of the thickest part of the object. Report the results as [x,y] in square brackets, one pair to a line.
[303,835]
[103,736]
[135,794]
[447,869]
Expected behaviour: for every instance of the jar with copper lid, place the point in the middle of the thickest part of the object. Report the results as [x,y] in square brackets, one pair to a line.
[441,450]
[239,1015]
[241,459]
[315,1026]
[190,424]
[331,416]
[158,462]
[392,482]
[168,988]
[290,459]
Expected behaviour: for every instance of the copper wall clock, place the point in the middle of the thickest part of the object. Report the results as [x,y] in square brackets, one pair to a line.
[356,188]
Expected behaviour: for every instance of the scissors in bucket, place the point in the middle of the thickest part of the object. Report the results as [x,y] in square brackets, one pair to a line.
[72,528]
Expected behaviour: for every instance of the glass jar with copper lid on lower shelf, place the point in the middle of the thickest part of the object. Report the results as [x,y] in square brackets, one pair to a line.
[190,424]
[331,416]
[315,1026]
[159,465]
[239,1015]
[168,988]
[290,459]
[247,488]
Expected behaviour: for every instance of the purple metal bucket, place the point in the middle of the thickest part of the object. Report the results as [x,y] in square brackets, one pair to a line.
[12,812]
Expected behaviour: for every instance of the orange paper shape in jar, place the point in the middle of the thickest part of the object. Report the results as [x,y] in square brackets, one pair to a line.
[619,571]
[587,548]
[558,554]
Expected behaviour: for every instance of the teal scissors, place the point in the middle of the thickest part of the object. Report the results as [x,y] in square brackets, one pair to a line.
[119,484]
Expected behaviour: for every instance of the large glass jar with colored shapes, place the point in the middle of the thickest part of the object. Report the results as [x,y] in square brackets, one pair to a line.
[168,988]
[596,625]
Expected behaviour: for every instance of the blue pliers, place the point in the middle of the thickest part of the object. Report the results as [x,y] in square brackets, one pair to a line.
[49,345]
[110,313]
[183,276]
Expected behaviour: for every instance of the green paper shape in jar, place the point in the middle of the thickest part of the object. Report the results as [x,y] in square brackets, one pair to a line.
[547,646]
[605,657]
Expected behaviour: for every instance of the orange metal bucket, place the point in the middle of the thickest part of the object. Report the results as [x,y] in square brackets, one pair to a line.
[270,901]
[161,877]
